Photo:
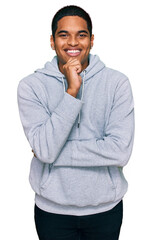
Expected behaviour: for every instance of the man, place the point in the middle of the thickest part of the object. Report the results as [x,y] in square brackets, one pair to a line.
[78,117]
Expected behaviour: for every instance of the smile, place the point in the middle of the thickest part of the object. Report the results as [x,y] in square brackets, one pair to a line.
[73,53]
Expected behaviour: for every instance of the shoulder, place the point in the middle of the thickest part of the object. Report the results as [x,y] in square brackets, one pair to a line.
[29,80]
[116,79]
[114,76]
[31,87]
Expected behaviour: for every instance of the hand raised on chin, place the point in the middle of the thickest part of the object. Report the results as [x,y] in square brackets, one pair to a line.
[72,70]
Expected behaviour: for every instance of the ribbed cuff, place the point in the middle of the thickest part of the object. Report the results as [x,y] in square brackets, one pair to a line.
[69,107]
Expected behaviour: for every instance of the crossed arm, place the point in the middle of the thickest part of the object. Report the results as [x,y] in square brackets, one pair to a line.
[48,133]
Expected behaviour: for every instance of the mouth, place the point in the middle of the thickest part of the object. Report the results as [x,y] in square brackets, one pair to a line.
[73,52]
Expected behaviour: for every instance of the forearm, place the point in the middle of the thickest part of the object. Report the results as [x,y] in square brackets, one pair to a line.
[46,133]
[95,152]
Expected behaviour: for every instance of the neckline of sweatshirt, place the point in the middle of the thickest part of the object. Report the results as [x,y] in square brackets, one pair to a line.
[51,68]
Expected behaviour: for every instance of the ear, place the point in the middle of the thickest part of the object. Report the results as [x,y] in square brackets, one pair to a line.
[52,42]
[92,40]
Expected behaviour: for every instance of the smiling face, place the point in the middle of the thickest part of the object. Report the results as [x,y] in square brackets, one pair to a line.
[72,39]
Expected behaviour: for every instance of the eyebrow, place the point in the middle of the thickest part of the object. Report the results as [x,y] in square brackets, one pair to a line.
[64,31]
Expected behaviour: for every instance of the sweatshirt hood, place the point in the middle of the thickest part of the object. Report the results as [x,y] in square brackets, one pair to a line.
[51,69]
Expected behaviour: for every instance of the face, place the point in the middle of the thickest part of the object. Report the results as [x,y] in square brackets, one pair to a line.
[72,39]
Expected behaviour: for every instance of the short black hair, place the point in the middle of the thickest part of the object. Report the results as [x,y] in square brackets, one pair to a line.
[71,10]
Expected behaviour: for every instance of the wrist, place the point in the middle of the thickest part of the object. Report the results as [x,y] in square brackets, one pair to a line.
[72,92]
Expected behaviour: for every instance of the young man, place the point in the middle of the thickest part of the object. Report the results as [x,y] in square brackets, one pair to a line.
[78,116]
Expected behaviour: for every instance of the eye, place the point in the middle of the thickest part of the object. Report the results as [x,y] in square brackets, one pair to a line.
[64,35]
[82,35]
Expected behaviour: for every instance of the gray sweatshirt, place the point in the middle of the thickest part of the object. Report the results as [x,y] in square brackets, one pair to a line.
[81,144]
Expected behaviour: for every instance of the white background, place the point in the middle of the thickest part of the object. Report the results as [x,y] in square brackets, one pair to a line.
[123,40]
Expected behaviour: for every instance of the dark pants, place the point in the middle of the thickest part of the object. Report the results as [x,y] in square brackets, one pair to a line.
[100,226]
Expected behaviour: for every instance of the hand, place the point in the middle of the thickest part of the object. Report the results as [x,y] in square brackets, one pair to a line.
[34,153]
[72,71]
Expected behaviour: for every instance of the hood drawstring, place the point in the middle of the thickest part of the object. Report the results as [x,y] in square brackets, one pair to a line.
[81,94]
[63,84]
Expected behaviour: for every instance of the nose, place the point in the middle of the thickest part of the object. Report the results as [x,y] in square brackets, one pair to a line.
[72,40]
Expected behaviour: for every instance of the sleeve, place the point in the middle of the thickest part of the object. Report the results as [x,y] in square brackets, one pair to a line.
[115,148]
[46,133]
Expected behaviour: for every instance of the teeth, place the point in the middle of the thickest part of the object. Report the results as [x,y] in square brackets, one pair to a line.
[73,51]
